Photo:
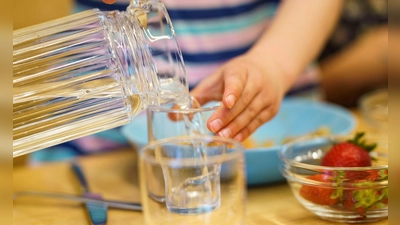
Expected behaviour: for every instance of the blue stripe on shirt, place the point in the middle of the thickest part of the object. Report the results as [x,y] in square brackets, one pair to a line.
[186,14]
[214,56]
[210,57]
[228,24]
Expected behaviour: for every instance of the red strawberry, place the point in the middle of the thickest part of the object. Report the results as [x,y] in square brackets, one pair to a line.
[385,201]
[353,153]
[368,175]
[349,203]
[365,196]
[376,175]
[356,175]
[320,195]
[362,200]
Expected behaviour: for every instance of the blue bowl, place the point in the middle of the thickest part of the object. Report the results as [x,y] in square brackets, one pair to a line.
[296,117]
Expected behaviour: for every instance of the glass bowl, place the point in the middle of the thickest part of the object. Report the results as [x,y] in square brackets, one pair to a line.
[374,109]
[340,194]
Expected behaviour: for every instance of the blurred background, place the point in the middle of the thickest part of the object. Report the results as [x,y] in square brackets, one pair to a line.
[27,13]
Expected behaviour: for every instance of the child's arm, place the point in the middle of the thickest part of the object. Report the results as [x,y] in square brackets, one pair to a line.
[357,69]
[254,84]
[297,34]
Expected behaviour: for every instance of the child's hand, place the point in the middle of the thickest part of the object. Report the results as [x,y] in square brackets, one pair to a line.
[251,95]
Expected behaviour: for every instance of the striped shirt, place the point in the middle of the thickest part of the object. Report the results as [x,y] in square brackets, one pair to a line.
[211,32]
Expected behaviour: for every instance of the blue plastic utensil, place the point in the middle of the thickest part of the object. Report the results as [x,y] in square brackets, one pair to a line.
[97,211]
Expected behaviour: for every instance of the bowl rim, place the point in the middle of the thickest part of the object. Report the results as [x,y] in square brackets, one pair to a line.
[364,99]
[346,184]
[365,104]
[298,164]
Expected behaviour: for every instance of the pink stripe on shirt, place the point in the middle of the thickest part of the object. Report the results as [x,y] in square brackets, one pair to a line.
[196,73]
[222,41]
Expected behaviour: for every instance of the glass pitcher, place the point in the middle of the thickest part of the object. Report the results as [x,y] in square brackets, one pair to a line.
[92,71]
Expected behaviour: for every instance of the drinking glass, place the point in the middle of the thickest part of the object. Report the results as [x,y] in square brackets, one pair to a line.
[204,180]
[171,120]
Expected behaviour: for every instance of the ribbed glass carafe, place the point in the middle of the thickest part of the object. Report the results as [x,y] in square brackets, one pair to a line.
[92,71]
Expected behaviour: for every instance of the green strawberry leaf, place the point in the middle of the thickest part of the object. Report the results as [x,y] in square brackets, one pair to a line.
[365,198]
[382,175]
[380,205]
[338,193]
[357,140]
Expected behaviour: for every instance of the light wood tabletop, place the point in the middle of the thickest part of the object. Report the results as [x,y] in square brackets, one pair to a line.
[114,175]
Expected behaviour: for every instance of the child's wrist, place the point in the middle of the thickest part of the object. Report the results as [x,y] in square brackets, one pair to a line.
[282,69]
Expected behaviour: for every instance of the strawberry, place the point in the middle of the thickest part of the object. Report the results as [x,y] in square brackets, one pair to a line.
[369,175]
[364,197]
[320,195]
[377,175]
[357,191]
[349,203]
[352,153]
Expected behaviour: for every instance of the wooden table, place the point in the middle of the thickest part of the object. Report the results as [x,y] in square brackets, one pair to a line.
[114,175]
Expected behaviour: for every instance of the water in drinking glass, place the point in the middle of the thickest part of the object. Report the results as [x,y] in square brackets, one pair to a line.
[200,182]
[189,199]
[197,193]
